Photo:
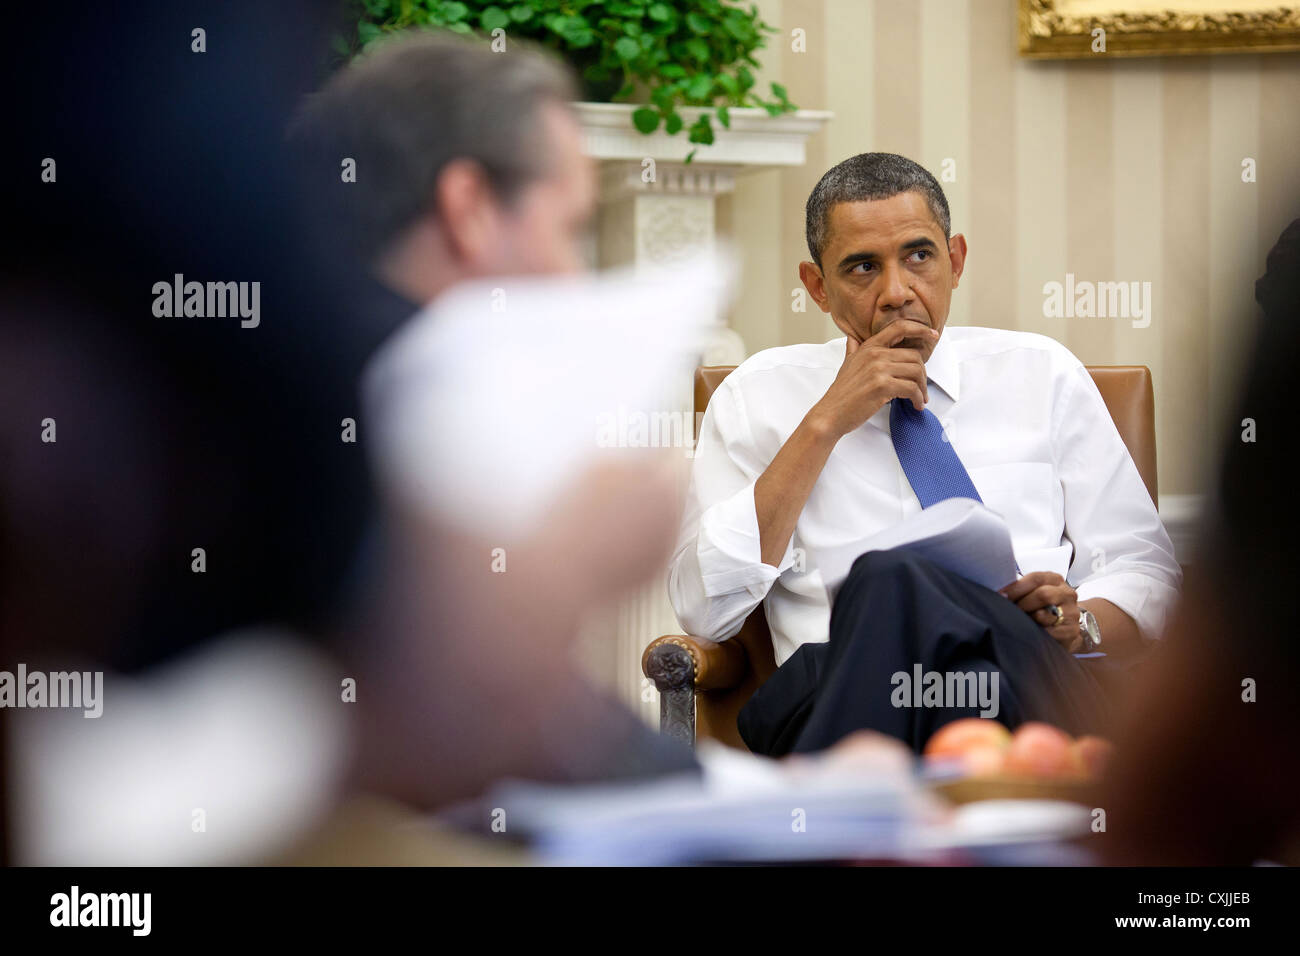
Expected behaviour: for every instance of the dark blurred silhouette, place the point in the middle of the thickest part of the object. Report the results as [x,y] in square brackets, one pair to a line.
[177,433]
[1204,777]
[172,434]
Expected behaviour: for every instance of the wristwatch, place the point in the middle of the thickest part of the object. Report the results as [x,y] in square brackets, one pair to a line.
[1089,631]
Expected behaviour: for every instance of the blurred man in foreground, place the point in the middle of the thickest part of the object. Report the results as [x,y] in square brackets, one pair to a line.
[182,505]
[469,166]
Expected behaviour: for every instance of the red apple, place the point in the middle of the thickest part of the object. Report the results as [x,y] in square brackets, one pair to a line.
[961,737]
[984,761]
[1041,750]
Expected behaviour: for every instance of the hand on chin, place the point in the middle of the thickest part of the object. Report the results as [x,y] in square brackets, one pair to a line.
[921,345]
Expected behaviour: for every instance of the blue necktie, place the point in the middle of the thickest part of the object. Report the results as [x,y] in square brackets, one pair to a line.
[929,462]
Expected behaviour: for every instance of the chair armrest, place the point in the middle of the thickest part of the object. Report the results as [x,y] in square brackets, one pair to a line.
[676,661]
[680,666]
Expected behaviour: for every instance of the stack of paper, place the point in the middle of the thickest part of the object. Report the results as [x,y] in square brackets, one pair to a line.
[826,817]
[678,820]
[959,534]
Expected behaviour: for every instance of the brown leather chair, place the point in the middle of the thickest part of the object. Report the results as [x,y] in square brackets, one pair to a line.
[703,684]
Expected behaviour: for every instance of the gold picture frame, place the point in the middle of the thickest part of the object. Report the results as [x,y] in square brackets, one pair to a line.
[1064,29]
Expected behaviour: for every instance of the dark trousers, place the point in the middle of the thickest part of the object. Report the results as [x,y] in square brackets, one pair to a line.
[894,611]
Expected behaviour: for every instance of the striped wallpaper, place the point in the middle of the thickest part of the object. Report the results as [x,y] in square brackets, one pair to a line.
[1112,170]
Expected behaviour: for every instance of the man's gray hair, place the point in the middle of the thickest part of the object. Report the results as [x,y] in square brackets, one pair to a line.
[410,105]
[864,177]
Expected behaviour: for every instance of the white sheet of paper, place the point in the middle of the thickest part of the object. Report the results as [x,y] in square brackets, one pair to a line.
[489,402]
[959,534]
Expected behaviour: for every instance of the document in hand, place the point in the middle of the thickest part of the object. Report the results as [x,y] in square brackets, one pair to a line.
[959,534]
[488,403]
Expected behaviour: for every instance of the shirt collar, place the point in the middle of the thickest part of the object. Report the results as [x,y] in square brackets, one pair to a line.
[944,366]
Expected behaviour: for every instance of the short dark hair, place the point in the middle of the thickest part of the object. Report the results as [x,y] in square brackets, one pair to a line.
[410,105]
[868,176]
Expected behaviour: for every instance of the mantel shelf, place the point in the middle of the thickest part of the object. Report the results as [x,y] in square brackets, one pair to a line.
[755,138]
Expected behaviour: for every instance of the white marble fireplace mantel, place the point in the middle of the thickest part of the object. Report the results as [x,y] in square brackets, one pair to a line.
[655,211]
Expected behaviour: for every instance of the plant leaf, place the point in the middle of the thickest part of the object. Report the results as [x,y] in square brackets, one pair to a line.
[700,86]
[493,18]
[627,48]
[645,119]
[702,130]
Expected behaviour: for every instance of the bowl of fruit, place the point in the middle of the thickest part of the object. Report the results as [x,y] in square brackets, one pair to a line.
[977,758]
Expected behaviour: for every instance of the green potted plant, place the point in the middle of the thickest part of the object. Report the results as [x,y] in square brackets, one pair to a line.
[660,54]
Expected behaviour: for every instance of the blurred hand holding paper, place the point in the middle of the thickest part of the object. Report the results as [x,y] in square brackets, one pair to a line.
[492,400]
[959,534]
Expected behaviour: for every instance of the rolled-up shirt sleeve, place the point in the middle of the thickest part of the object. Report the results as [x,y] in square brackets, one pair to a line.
[717,575]
[1122,552]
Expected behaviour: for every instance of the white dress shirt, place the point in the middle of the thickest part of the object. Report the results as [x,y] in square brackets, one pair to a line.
[1027,421]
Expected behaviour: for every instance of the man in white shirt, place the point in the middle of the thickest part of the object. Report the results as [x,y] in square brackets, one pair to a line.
[796,454]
